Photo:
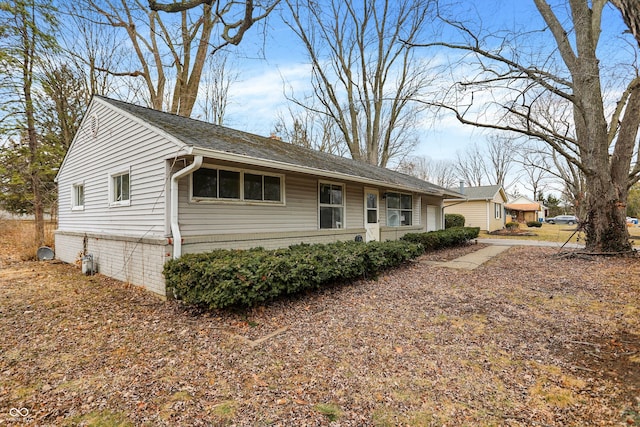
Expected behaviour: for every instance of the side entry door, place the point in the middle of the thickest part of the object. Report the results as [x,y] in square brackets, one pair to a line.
[372,214]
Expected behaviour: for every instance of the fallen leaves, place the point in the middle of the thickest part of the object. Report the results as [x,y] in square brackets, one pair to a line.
[422,345]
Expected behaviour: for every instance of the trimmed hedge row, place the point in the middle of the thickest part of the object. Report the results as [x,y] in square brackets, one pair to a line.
[243,278]
[443,238]
[226,278]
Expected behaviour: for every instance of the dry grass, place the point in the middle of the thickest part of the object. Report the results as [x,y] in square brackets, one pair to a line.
[529,338]
[556,233]
[18,239]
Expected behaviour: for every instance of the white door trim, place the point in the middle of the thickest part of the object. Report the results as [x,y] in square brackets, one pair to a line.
[373,227]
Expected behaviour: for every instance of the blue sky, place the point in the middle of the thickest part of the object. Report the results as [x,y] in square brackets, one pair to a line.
[257,96]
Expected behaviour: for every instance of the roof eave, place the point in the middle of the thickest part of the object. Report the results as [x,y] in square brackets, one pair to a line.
[256,161]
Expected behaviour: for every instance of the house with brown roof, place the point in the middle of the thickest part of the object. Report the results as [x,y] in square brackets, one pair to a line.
[525,210]
[139,186]
[483,206]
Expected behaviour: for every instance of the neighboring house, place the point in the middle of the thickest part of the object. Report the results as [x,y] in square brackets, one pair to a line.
[526,210]
[483,207]
[139,186]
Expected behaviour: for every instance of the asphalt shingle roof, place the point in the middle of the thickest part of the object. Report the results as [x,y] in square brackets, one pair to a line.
[483,192]
[199,134]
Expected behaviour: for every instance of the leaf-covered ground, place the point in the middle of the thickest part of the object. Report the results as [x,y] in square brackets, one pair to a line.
[527,339]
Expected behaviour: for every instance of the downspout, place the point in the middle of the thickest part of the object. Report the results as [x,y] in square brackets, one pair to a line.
[175,228]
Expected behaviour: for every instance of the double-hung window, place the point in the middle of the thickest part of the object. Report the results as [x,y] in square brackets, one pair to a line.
[497,207]
[399,209]
[234,185]
[120,191]
[77,197]
[331,205]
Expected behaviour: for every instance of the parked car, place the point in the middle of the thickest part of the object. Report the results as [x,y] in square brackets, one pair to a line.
[563,219]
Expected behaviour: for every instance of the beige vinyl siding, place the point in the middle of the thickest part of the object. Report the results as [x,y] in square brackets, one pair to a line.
[299,213]
[355,206]
[496,223]
[122,144]
[479,213]
[230,217]
[199,244]
[474,211]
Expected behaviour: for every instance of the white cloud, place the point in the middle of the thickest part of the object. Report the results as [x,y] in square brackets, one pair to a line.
[258,96]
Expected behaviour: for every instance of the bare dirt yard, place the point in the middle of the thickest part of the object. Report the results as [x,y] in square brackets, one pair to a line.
[528,339]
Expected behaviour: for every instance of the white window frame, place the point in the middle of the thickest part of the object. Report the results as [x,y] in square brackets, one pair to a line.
[241,200]
[497,210]
[400,210]
[112,196]
[75,203]
[343,206]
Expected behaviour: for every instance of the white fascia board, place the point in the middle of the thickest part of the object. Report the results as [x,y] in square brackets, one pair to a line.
[254,161]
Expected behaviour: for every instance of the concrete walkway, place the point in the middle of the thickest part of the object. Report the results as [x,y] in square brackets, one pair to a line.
[497,246]
[472,260]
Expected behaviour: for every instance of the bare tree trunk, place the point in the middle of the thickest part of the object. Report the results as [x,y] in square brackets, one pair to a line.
[630,10]
[28,57]
[597,144]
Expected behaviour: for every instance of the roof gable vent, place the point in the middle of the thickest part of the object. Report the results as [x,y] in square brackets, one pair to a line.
[93,125]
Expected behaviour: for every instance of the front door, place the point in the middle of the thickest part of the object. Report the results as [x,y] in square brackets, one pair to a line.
[371,216]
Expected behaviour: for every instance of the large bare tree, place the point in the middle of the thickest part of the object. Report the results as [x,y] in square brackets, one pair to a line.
[489,163]
[601,142]
[439,172]
[364,76]
[171,52]
[310,129]
[471,167]
[535,175]
[216,86]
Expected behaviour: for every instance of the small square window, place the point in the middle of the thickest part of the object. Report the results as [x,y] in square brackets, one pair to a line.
[77,196]
[205,183]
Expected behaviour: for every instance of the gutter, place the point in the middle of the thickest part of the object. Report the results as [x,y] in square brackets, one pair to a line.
[175,227]
[255,161]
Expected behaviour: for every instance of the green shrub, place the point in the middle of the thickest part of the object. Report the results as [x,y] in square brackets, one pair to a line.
[226,278]
[512,225]
[534,224]
[441,239]
[453,220]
